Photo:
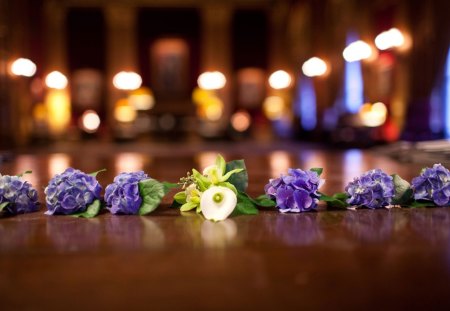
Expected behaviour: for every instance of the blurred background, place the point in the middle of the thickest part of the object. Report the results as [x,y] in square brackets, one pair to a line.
[338,72]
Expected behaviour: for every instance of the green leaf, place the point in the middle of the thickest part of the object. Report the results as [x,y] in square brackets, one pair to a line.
[24,173]
[201,181]
[151,191]
[188,206]
[3,205]
[244,206]
[92,210]
[240,179]
[402,191]
[99,171]
[337,200]
[418,204]
[318,170]
[180,197]
[265,201]
[229,186]
[220,163]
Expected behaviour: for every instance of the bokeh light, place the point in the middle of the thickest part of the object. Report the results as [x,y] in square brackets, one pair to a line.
[124,112]
[23,67]
[127,80]
[314,67]
[90,121]
[211,80]
[241,121]
[373,115]
[389,39]
[357,50]
[142,99]
[273,107]
[56,80]
[280,79]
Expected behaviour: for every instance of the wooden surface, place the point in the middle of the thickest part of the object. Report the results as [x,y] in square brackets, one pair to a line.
[358,260]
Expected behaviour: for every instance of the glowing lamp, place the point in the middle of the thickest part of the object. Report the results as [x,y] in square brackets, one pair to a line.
[357,50]
[314,67]
[56,80]
[127,80]
[211,80]
[23,67]
[280,80]
[389,39]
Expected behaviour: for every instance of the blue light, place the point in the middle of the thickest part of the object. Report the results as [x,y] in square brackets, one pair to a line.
[305,104]
[447,96]
[353,83]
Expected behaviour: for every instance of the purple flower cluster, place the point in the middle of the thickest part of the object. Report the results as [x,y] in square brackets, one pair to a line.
[71,192]
[20,195]
[295,192]
[433,184]
[373,189]
[122,196]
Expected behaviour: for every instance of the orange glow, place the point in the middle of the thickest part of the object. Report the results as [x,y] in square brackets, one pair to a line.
[58,107]
[274,107]
[373,115]
[142,99]
[279,163]
[124,112]
[57,163]
[241,121]
[129,162]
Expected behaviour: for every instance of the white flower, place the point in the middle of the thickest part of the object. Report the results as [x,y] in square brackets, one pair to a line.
[217,203]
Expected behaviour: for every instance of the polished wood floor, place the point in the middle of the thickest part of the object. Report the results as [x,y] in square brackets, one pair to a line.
[358,260]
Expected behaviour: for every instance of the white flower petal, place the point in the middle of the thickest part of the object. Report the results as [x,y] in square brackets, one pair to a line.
[218,210]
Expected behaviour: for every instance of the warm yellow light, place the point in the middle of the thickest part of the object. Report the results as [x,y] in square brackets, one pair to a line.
[389,39]
[142,99]
[211,80]
[56,80]
[214,109]
[127,80]
[200,96]
[240,121]
[273,107]
[279,162]
[59,111]
[280,80]
[23,67]
[90,121]
[57,163]
[124,112]
[373,115]
[314,67]
[129,162]
[357,50]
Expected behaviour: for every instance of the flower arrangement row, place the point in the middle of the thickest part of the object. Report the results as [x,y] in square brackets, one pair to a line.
[220,191]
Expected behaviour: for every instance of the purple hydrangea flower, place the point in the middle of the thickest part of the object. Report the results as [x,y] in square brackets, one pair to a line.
[433,184]
[20,195]
[295,192]
[71,192]
[373,189]
[122,196]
